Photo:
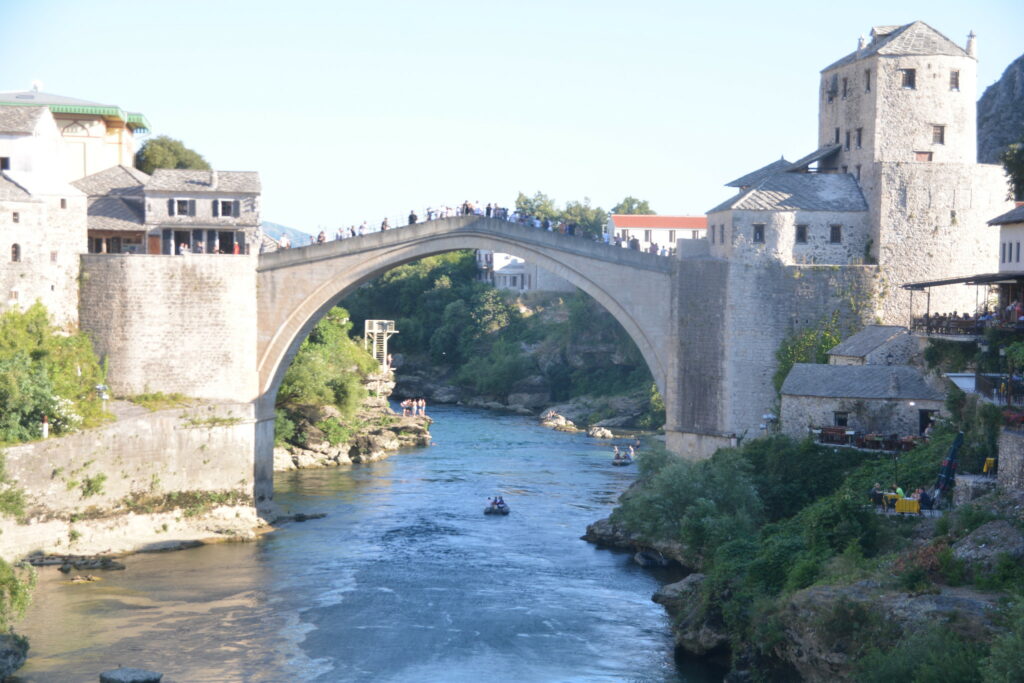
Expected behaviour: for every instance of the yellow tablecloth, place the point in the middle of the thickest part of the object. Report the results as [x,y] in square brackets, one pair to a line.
[990,464]
[908,505]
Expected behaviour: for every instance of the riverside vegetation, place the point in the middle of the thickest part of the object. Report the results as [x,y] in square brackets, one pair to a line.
[43,372]
[796,576]
[468,340]
[332,406]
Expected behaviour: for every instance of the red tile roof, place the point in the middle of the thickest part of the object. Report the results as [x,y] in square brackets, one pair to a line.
[651,221]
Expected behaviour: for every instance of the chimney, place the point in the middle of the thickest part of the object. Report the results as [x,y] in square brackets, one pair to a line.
[972,49]
[861,42]
[213,180]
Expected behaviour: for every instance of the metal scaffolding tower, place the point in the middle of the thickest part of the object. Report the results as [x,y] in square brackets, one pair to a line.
[375,339]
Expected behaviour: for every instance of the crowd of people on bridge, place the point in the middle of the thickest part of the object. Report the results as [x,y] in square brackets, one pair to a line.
[491,210]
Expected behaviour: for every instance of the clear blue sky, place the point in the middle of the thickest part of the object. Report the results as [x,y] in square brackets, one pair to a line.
[352,111]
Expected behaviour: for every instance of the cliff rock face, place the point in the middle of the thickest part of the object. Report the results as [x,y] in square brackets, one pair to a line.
[1001,113]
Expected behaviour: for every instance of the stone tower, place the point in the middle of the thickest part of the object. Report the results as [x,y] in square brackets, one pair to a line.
[900,113]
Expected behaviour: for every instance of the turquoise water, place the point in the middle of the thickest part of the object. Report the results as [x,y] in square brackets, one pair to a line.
[404,580]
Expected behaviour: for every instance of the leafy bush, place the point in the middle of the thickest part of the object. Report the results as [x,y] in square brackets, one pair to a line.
[16,584]
[810,345]
[45,372]
[1005,662]
[936,653]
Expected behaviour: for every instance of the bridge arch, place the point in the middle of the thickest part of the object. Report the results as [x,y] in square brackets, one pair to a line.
[297,287]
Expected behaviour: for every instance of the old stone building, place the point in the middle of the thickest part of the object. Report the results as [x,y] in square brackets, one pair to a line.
[648,229]
[189,211]
[894,182]
[116,211]
[887,399]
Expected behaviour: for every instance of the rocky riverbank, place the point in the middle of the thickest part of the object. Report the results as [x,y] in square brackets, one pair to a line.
[820,631]
[528,396]
[372,434]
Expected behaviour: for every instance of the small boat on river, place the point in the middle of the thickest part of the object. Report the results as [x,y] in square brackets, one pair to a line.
[502,509]
[622,461]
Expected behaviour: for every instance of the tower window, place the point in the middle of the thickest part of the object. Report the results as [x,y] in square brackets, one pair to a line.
[16,217]
[5,163]
[857,168]
[908,79]
[647,235]
[860,137]
[759,233]
[672,236]
[939,135]
[801,234]
[867,80]
[922,156]
[954,80]
[15,253]
[835,234]
[846,144]
[63,203]
[837,136]
[844,88]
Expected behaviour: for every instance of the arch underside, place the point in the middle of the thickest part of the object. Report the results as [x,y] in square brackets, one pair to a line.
[346,272]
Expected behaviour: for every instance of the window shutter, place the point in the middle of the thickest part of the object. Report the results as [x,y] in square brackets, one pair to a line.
[191,207]
[237,207]
[216,208]
[170,207]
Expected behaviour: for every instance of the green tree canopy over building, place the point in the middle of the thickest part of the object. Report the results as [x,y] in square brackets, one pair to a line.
[634,206]
[166,152]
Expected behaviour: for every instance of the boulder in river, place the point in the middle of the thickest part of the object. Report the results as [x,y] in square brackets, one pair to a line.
[596,432]
[130,675]
[13,651]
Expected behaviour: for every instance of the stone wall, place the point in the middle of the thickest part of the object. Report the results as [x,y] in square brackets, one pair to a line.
[206,447]
[49,239]
[799,413]
[1011,460]
[780,236]
[183,324]
[764,305]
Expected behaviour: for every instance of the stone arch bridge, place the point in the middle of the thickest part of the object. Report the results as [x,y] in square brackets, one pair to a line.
[227,328]
[296,287]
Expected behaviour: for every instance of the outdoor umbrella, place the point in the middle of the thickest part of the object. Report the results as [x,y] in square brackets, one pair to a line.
[947,473]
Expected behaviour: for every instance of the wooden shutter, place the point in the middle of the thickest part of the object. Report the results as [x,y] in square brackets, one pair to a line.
[237,208]
[170,207]
[191,207]
[216,208]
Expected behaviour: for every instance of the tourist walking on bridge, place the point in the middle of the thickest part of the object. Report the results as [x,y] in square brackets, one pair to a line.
[413,218]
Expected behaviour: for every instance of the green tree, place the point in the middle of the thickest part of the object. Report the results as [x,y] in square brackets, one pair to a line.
[632,205]
[1013,162]
[166,152]
[590,219]
[539,205]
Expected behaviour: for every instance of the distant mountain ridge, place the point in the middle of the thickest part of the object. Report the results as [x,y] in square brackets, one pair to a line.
[1001,113]
[275,230]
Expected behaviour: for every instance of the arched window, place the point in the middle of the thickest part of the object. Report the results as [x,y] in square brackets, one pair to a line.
[15,253]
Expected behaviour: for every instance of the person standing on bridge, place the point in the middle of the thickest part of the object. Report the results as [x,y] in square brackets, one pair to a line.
[321,238]
[413,217]
[384,225]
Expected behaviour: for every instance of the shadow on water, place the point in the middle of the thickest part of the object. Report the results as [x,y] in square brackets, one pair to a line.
[404,580]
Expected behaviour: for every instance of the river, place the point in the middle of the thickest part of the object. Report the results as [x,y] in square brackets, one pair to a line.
[404,580]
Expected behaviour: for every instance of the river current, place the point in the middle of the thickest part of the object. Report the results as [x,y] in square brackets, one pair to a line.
[405,579]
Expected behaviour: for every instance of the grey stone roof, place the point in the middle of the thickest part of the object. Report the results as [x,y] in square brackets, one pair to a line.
[754,176]
[1013,216]
[817,155]
[858,381]
[802,192]
[12,191]
[115,213]
[867,340]
[44,98]
[116,180]
[189,181]
[917,38]
[15,120]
